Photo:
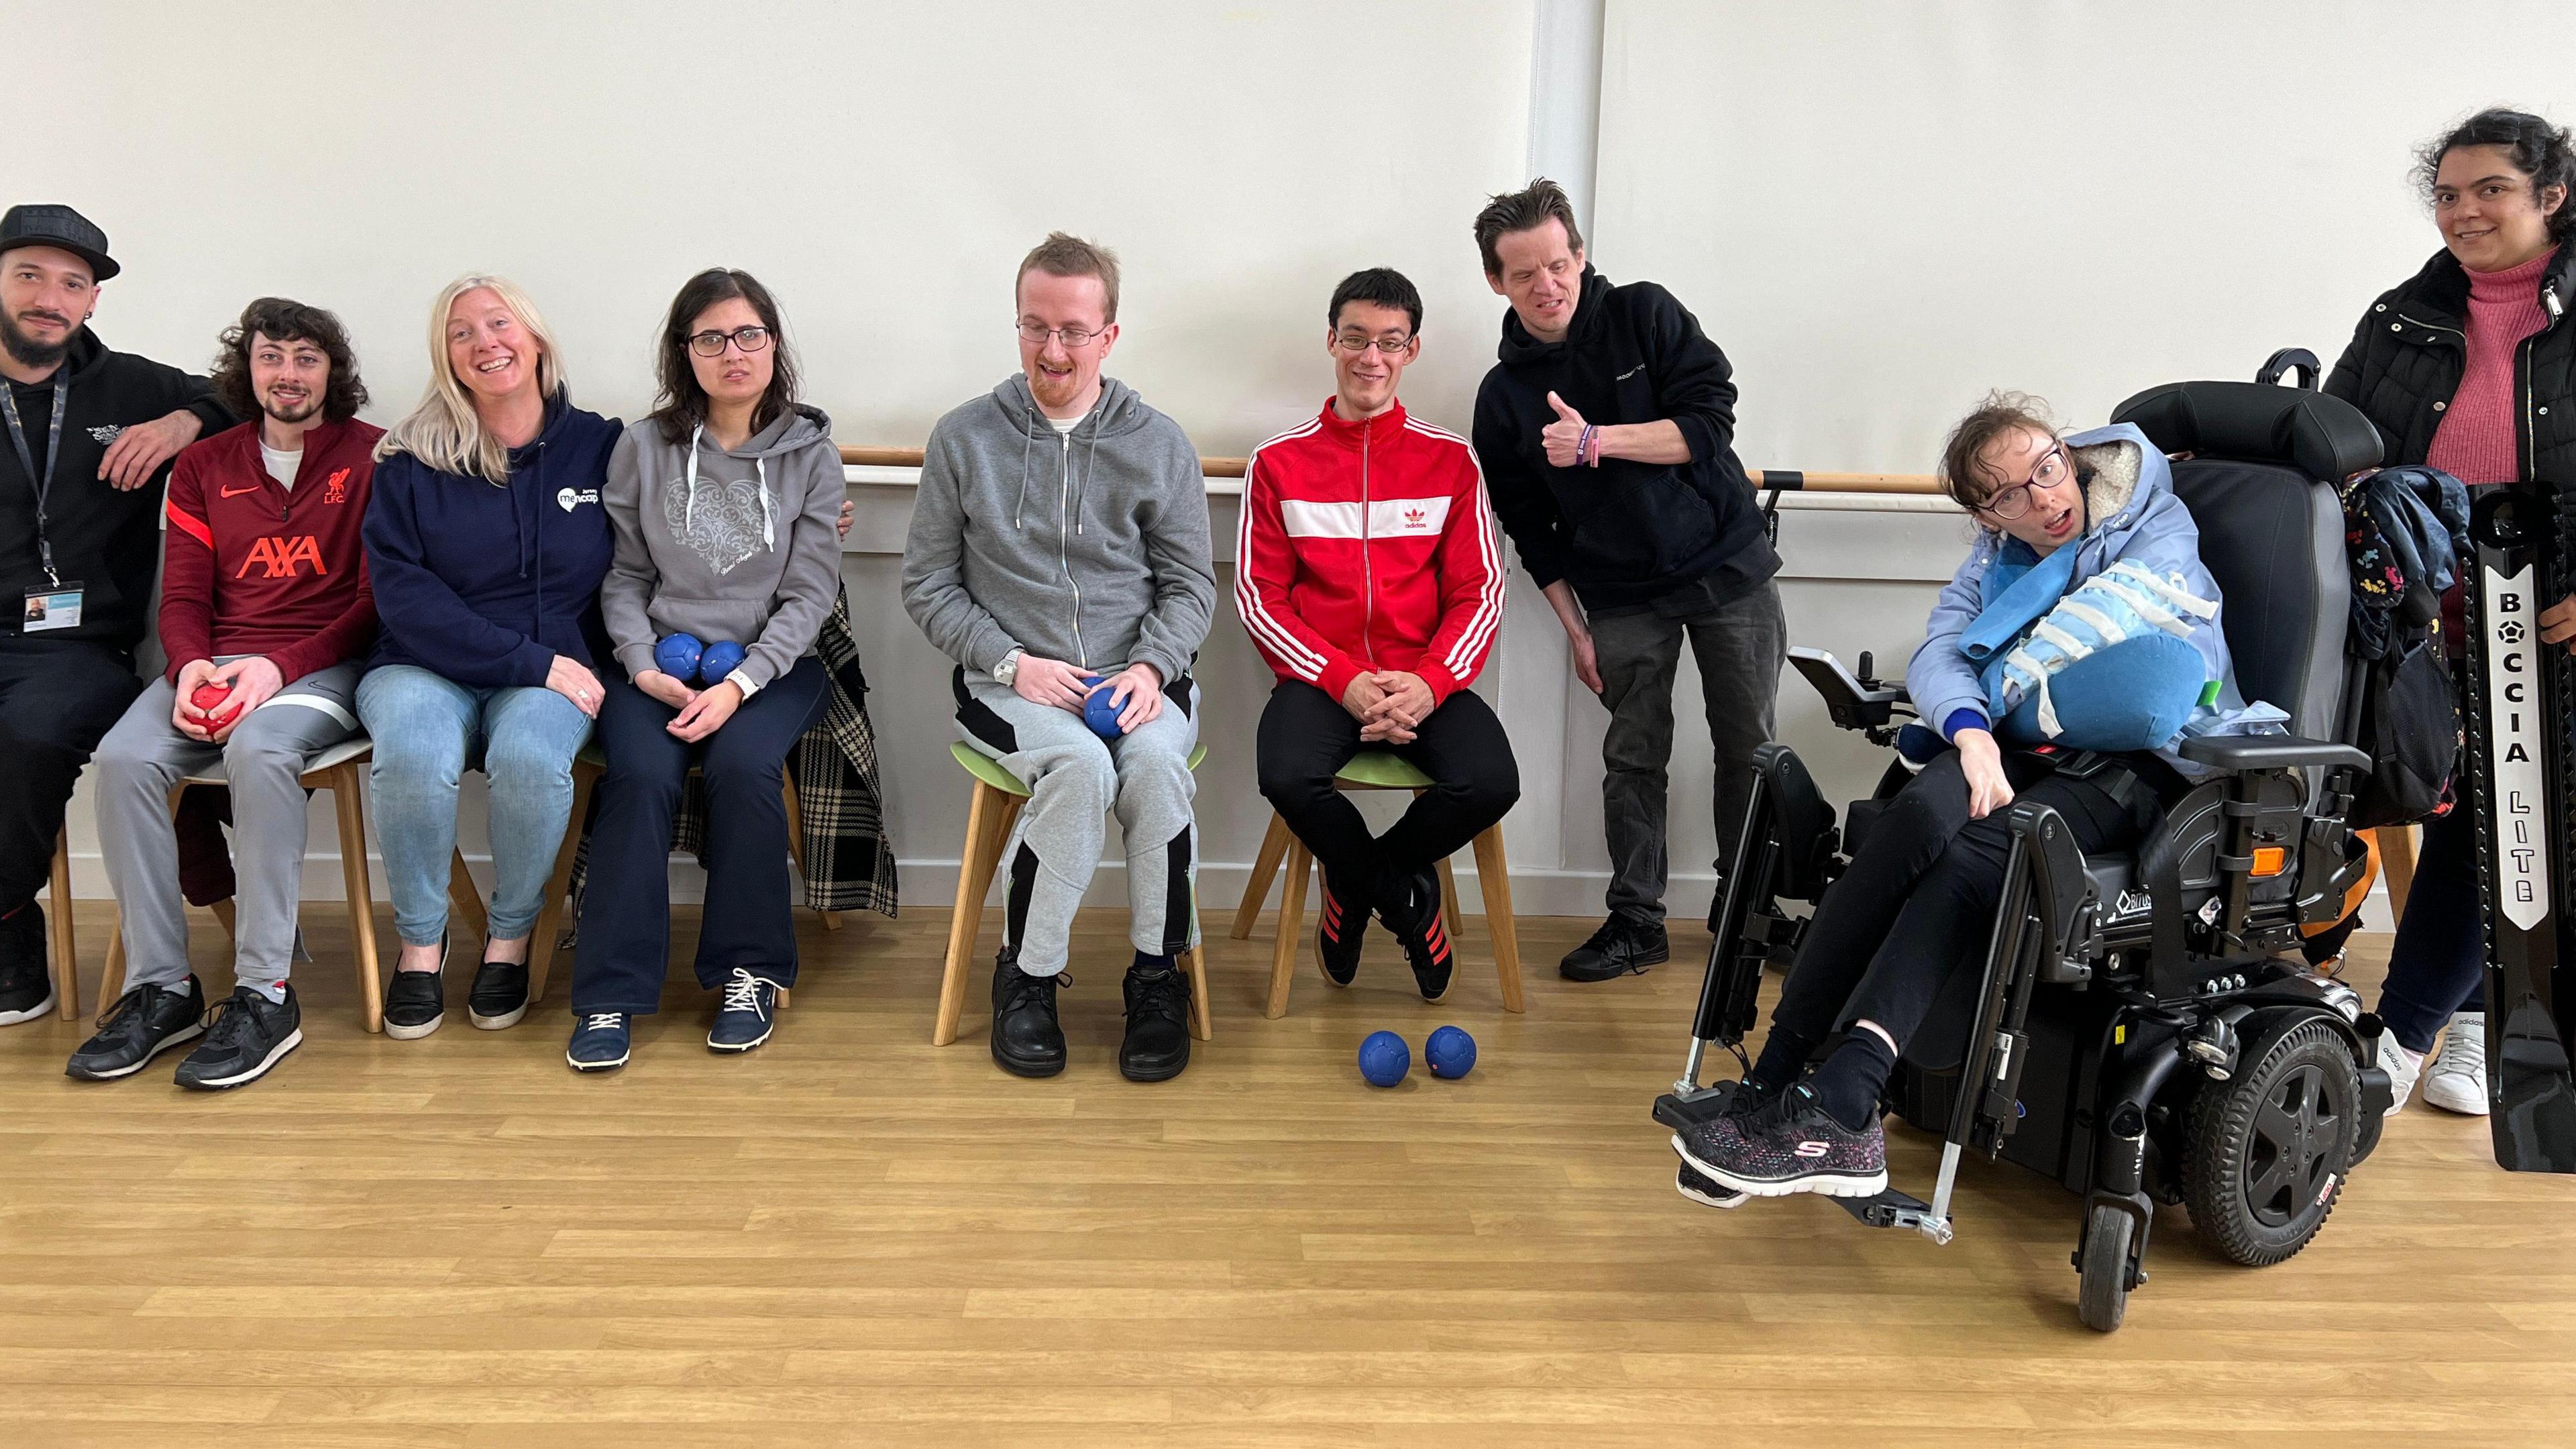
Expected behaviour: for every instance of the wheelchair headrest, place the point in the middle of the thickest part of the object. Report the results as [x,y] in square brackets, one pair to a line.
[2324,437]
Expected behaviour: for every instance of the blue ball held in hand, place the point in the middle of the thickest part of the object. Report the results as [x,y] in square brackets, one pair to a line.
[1449,1053]
[719,660]
[677,656]
[1384,1059]
[1099,710]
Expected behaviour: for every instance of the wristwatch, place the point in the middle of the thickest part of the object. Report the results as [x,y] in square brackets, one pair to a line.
[1008,670]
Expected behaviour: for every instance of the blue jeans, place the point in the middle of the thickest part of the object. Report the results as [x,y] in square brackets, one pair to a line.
[2439,963]
[428,731]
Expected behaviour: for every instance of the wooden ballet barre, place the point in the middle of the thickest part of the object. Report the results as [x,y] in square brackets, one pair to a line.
[1788,480]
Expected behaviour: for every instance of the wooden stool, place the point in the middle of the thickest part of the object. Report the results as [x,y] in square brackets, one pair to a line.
[1377,770]
[2397,867]
[342,770]
[66,952]
[587,767]
[998,798]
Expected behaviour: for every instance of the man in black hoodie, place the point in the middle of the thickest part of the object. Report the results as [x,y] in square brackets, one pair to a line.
[91,435]
[1606,433]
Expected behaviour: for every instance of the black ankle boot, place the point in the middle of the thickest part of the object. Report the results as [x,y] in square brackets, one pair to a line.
[1027,1040]
[1157,1045]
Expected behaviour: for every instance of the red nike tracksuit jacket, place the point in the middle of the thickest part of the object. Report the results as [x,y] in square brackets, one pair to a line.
[1369,546]
[252,568]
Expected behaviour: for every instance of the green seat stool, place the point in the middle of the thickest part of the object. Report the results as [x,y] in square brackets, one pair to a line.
[1376,770]
[999,796]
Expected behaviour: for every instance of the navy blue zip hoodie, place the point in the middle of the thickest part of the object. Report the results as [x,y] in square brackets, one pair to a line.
[484,584]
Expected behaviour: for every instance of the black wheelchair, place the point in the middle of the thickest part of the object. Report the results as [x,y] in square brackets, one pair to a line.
[2144,1029]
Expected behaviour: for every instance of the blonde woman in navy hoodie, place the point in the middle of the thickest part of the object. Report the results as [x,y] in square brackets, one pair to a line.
[486,542]
[724,502]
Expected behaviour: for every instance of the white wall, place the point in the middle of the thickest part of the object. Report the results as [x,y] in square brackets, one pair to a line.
[1879,210]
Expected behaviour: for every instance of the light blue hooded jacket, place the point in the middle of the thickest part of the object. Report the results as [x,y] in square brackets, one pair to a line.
[2131,514]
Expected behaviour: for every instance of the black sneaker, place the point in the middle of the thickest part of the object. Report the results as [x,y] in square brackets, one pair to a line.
[1424,934]
[1339,933]
[26,974]
[143,1023]
[1157,1045]
[1622,945]
[415,1003]
[1789,1144]
[747,1016]
[251,1034]
[1027,1039]
[499,996]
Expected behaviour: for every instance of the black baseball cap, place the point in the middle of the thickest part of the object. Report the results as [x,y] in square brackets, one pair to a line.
[59,226]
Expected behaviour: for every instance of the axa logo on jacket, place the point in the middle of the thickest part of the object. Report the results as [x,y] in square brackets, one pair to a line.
[280,556]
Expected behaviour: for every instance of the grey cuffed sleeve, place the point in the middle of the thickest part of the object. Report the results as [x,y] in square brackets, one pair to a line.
[628,586]
[934,584]
[812,578]
[1176,550]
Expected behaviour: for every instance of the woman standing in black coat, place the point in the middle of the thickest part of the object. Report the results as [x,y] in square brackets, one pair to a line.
[2470,366]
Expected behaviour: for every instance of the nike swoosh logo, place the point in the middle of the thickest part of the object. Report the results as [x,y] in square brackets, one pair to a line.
[236,492]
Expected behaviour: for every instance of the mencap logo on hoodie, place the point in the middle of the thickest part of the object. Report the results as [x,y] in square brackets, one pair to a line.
[567,499]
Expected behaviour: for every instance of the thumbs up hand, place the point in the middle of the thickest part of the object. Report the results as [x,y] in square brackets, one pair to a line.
[1563,438]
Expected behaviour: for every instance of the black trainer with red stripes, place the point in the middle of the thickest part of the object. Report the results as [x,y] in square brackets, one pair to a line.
[1339,932]
[1425,936]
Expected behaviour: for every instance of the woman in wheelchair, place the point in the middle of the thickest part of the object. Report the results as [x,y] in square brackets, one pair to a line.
[2077,641]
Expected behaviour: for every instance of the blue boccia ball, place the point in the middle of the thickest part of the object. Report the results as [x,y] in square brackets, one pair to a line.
[1100,711]
[1449,1053]
[677,656]
[720,659]
[1384,1058]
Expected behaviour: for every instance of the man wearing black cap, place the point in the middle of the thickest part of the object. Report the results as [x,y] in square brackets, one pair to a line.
[90,435]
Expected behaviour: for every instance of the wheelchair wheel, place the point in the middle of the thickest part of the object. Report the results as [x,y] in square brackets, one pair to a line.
[2102,1293]
[2266,1153]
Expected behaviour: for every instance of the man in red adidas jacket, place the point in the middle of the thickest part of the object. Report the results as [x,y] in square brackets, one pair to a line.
[1369,575]
[264,601]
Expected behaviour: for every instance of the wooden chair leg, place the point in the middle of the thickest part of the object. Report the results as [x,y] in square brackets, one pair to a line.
[111,977]
[66,942]
[1256,888]
[977,860]
[541,949]
[1194,963]
[1291,929]
[2397,866]
[1495,876]
[1449,897]
[223,910]
[349,802]
[465,898]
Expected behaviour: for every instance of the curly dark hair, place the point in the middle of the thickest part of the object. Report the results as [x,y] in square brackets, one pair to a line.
[2536,148]
[682,404]
[281,320]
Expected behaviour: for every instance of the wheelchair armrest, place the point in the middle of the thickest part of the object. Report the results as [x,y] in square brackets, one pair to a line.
[2246,754]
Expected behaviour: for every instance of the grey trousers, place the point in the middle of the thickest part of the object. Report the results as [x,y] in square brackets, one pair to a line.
[145,755]
[1740,646]
[1075,778]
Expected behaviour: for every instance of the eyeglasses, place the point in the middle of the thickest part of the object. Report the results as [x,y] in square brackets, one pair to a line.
[712,343]
[1391,346]
[1036,334]
[2013,502]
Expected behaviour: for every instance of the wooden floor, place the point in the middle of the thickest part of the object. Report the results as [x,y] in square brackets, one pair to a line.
[854,1237]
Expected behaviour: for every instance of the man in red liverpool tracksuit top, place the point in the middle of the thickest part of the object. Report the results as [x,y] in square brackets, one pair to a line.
[264,600]
[1369,576]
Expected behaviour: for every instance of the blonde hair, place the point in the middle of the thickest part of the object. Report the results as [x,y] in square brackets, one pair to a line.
[444,431]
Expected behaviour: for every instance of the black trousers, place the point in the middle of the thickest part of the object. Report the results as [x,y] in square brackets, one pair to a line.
[625,946]
[1919,899]
[58,699]
[1306,736]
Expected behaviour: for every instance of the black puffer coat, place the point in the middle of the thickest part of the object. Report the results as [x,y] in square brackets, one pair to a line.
[2407,355]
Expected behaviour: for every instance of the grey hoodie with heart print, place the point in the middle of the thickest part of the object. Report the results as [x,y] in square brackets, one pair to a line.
[747,549]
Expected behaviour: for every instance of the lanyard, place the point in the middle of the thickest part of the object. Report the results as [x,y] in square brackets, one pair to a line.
[53,455]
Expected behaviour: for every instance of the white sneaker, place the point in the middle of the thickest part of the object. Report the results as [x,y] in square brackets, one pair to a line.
[2402,1067]
[2458,1081]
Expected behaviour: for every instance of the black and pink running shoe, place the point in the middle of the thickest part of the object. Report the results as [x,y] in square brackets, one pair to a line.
[1788,1145]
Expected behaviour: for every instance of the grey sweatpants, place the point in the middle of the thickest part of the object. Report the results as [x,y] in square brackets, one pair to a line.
[1075,778]
[145,755]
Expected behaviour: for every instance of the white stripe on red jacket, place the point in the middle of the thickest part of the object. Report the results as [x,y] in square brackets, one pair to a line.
[1368,546]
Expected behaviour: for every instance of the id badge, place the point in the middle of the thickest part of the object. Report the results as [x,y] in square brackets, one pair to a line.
[58,607]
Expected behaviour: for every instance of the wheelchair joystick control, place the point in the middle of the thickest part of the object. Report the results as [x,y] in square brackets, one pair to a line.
[2213,1045]
[1868,668]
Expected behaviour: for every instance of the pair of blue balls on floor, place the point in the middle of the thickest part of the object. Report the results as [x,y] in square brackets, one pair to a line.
[1384,1058]
[683,658]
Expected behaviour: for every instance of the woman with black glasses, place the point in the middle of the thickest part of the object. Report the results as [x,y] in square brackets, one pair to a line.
[724,501]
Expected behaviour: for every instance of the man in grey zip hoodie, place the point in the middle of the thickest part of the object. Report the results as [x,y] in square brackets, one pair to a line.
[1061,536]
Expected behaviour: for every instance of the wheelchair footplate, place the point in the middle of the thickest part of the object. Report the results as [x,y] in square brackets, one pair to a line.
[1682,1111]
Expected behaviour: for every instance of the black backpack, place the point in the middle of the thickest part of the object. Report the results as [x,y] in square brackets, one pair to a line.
[2410,727]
